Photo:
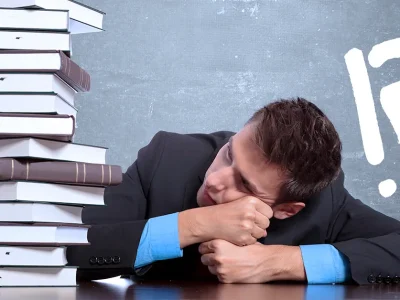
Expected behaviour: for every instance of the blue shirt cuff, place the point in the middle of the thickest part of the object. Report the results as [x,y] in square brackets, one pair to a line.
[159,240]
[324,264]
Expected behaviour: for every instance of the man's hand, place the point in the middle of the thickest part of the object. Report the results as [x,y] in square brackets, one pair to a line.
[255,263]
[240,222]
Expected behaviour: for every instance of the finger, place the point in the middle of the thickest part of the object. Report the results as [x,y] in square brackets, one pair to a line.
[264,209]
[261,220]
[208,259]
[257,232]
[213,270]
[206,247]
[249,241]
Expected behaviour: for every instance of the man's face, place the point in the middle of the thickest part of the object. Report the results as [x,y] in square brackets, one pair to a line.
[239,170]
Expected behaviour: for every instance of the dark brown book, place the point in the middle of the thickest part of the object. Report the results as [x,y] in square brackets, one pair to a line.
[53,127]
[65,68]
[12,169]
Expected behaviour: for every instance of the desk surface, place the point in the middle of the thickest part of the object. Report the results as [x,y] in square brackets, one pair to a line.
[126,289]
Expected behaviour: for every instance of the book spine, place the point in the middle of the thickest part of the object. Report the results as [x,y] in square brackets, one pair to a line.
[73,74]
[60,172]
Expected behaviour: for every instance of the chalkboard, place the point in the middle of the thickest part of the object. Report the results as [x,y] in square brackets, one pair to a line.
[207,65]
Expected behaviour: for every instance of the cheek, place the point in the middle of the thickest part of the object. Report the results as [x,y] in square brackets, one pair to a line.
[216,165]
[233,194]
[219,161]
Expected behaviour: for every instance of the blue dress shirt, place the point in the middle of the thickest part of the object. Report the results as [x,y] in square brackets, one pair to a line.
[323,263]
[159,240]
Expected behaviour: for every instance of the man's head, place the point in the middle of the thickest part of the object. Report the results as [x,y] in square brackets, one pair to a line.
[286,152]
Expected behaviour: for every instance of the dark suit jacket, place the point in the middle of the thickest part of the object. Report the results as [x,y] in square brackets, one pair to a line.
[165,178]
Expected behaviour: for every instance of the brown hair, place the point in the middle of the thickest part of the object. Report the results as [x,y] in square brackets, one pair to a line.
[297,136]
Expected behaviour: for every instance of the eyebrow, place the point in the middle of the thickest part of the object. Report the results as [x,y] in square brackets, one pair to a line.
[252,186]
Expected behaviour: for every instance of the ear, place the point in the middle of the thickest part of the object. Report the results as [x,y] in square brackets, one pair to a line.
[286,210]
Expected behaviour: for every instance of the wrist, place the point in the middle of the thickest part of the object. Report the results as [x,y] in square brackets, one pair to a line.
[283,263]
[192,227]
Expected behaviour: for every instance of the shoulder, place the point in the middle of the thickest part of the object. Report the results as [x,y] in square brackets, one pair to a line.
[180,154]
[340,195]
[331,196]
[337,186]
[210,138]
[198,142]
[170,148]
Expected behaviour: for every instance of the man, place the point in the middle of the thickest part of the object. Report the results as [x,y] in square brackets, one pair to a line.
[264,204]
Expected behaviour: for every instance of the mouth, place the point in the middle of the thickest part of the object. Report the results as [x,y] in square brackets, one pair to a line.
[207,198]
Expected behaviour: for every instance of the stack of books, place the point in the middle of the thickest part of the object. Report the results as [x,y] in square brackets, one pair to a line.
[45,178]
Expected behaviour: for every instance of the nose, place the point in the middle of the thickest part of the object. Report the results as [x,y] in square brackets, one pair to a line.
[221,185]
[214,182]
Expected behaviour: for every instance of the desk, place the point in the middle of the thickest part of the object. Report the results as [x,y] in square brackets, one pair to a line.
[126,289]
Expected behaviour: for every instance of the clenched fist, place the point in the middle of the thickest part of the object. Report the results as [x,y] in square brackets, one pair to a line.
[240,222]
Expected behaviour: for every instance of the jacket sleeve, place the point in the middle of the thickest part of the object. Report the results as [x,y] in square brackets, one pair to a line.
[116,228]
[369,239]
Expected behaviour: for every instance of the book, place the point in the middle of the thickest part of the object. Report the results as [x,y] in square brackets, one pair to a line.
[45,61]
[35,40]
[36,84]
[39,212]
[28,276]
[26,191]
[83,18]
[52,150]
[32,256]
[43,234]
[60,172]
[41,293]
[41,19]
[58,127]
[36,104]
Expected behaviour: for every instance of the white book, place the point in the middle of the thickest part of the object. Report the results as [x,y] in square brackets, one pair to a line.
[27,191]
[83,18]
[52,150]
[28,19]
[39,212]
[30,276]
[40,293]
[36,83]
[32,40]
[45,61]
[42,234]
[36,104]
[38,124]
[33,256]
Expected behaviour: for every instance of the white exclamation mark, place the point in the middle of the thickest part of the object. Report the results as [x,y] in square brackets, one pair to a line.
[370,134]
[369,127]
[390,96]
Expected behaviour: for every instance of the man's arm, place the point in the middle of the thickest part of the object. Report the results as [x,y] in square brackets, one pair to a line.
[362,245]
[164,237]
[324,264]
[369,239]
[256,263]
[116,228]
[122,240]
[159,241]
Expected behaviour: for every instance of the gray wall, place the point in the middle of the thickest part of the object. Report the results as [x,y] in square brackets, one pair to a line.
[206,65]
